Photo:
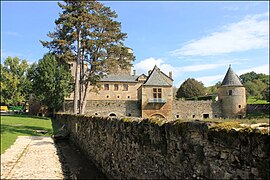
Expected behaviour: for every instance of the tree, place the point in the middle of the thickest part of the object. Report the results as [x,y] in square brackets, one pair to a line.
[190,88]
[213,89]
[255,84]
[14,81]
[51,82]
[266,94]
[87,33]
[251,76]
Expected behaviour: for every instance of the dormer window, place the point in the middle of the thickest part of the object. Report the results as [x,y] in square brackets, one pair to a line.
[230,92]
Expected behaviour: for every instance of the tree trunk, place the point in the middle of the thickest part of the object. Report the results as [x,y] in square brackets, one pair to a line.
[84,100]
[82,86]
[77,76]
[53,115]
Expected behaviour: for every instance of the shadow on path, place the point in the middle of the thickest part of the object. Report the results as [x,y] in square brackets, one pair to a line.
[75,164]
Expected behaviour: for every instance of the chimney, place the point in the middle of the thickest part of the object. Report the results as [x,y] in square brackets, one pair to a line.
[149,72]
[170,74]
[134,72]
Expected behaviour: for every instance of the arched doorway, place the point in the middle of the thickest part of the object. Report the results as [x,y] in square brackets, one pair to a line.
[112,115]
[158,116]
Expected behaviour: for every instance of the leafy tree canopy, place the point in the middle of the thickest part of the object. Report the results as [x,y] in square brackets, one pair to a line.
[51,81]
[255,84]
[13,81]
[190,88]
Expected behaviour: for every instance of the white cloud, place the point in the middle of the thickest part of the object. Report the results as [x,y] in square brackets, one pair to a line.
[12,34]
[145,65]
[210,80]
[260,69]
[250,33]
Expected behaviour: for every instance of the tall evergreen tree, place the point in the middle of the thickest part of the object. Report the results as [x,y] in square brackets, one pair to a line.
[51,82]
[87,33]
[13,81]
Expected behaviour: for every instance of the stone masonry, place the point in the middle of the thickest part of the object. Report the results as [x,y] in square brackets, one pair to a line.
[143,149]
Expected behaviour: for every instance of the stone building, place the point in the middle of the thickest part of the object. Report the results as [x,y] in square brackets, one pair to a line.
[123,94]
[232,95]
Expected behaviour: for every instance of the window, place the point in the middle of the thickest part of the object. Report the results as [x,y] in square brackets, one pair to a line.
[205,116]
[70,65]
[177,116]
[116,87]
[157,93]
[193,116]
[128,97]
[125,87]
[239,106]
[106,87]
[230,92]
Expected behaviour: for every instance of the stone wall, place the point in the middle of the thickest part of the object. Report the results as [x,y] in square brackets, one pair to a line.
[142,149]
[109,107]
[257,108]
[196,109]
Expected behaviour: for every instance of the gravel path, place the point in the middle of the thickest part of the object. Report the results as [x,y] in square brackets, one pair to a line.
[31,157]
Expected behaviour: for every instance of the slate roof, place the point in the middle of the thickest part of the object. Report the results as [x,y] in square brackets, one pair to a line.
[158,78]
[231,79]
[119,78]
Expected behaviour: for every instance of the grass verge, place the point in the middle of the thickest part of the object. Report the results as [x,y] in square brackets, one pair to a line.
[22,125]
[253,100]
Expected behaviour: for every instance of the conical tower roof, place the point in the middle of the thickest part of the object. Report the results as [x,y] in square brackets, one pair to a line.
[231,79]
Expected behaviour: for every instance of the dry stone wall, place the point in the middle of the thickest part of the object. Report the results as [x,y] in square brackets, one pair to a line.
[142,149]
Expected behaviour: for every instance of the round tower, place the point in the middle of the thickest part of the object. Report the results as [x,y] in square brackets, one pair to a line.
[232,95]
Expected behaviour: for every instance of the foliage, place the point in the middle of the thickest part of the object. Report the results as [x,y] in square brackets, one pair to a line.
[213,89]
[51,81]
[255,84]
[255,100]
[87,33]
[190,88]
[14,84]
[20,125]
[266,93]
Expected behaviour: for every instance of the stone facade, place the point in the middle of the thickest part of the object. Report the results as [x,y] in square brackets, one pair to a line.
[141,149]
[232,95]
[196,109]
[156,109]
[118,108]
[233,101]
[154,97]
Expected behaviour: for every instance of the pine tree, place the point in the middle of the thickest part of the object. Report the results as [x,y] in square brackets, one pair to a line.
[87,33]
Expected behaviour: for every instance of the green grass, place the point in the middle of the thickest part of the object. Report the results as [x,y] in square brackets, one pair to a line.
[22,125]
[253,100]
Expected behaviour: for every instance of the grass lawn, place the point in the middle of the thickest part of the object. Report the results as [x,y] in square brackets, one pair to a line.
[253,100]
[22,125]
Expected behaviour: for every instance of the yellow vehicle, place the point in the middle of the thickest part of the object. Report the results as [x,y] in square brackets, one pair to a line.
[3,108]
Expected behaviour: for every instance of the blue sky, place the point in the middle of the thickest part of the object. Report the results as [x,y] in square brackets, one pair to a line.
[192,39]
